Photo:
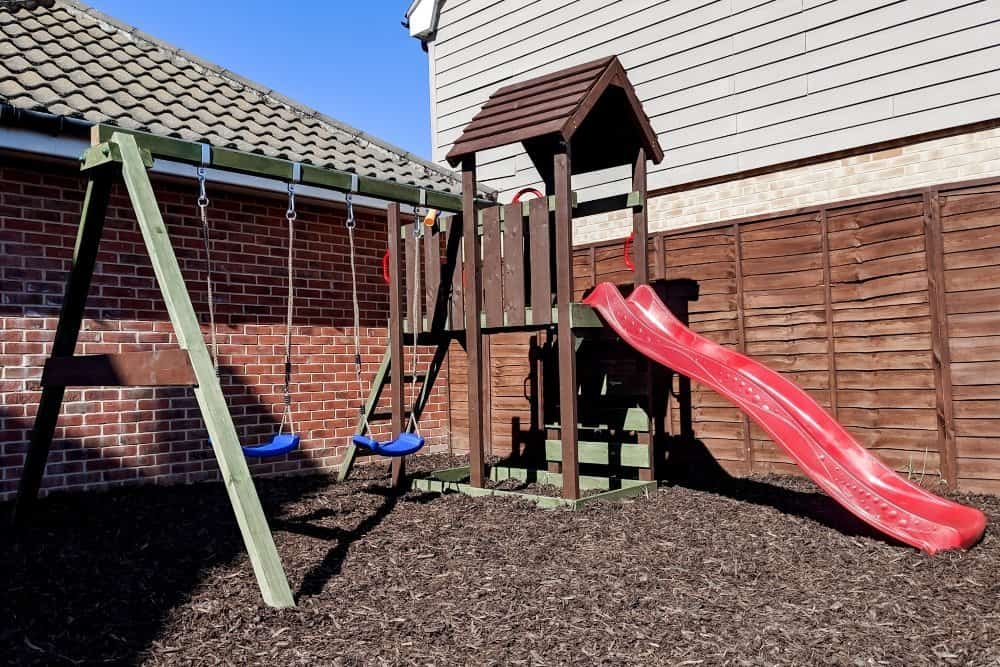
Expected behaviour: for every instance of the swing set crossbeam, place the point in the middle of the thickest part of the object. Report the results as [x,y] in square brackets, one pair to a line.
[227,159]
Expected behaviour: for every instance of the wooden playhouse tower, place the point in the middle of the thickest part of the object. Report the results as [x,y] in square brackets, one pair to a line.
[582,119]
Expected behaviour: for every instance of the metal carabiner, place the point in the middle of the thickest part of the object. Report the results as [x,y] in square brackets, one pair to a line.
[202,194]
[418,228]
[350,223]
[290,214]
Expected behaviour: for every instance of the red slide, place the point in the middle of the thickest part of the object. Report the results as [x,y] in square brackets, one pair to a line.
[822,448]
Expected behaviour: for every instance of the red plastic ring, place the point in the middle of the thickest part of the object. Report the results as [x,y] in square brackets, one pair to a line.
[627,251]
[527,191]
[385,267]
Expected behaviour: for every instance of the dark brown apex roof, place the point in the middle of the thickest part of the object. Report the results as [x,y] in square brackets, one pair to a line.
[554,104]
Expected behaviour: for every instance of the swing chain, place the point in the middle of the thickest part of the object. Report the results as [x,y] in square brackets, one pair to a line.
[206,232]
[418,233]
[351,223]
[290,216]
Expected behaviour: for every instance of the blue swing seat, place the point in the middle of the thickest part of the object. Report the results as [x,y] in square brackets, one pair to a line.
[402,445]
[279,445]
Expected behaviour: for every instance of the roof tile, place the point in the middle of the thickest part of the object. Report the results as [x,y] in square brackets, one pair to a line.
[72,60]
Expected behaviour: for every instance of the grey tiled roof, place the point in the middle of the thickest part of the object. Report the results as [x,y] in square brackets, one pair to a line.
[71,60]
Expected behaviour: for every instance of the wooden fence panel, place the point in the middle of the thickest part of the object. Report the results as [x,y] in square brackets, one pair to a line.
[784,317]
[970,222]
[709,257]
[882,330]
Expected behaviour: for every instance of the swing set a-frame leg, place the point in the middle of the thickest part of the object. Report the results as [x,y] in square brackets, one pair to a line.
[95,205]
[208,392]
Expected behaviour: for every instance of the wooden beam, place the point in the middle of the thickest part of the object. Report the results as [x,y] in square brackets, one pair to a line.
[608,204]
[741,334]
[88,239]
[514,286]
[178,150]
[640,242]
[492,273]
[228,453]
[940,344]
[396,310]
[564,298]
[413,309]
[434,305]
[165,368]
[473,330]
[654,373]
[831,346]
[627,454]
[540,261]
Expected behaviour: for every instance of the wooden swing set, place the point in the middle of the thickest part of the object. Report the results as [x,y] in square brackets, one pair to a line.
[117,152]
[512,270]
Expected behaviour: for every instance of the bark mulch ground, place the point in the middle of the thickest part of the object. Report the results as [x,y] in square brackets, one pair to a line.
[761,571]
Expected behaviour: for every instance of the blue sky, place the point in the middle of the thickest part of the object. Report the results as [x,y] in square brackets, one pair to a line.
[351,60]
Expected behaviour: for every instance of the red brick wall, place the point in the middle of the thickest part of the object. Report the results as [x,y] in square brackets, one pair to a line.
[109,437]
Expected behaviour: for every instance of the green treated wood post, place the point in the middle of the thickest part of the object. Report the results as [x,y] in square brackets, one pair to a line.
[88,238]
[232,464]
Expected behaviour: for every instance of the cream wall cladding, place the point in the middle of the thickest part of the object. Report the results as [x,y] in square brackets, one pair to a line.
[730,86]
[958,158]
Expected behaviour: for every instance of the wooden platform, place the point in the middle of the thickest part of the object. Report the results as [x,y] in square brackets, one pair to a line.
[456,480]
[582,317]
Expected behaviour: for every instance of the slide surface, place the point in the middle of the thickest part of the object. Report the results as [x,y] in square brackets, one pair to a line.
[819,445]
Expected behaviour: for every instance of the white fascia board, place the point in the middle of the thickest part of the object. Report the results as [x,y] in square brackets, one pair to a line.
[422,17]
[70,148]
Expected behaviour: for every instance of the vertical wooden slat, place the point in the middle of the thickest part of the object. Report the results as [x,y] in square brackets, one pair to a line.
[396,311]
[651,372]
[473,331]
[432,280]
[592,261]
[741,334]
[222,432]
[414,302]
[88,239]
[492,274]
[564,297]
[640,242]
[514,287]
[456,260]
[539,257]
[660,269]
[831,347]
[940,344]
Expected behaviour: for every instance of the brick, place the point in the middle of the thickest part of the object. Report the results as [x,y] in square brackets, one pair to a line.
[163,436]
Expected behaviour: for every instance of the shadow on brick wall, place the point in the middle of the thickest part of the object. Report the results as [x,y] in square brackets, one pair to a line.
[110,437]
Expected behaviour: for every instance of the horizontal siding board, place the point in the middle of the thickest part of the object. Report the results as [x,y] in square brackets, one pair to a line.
[808,78]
